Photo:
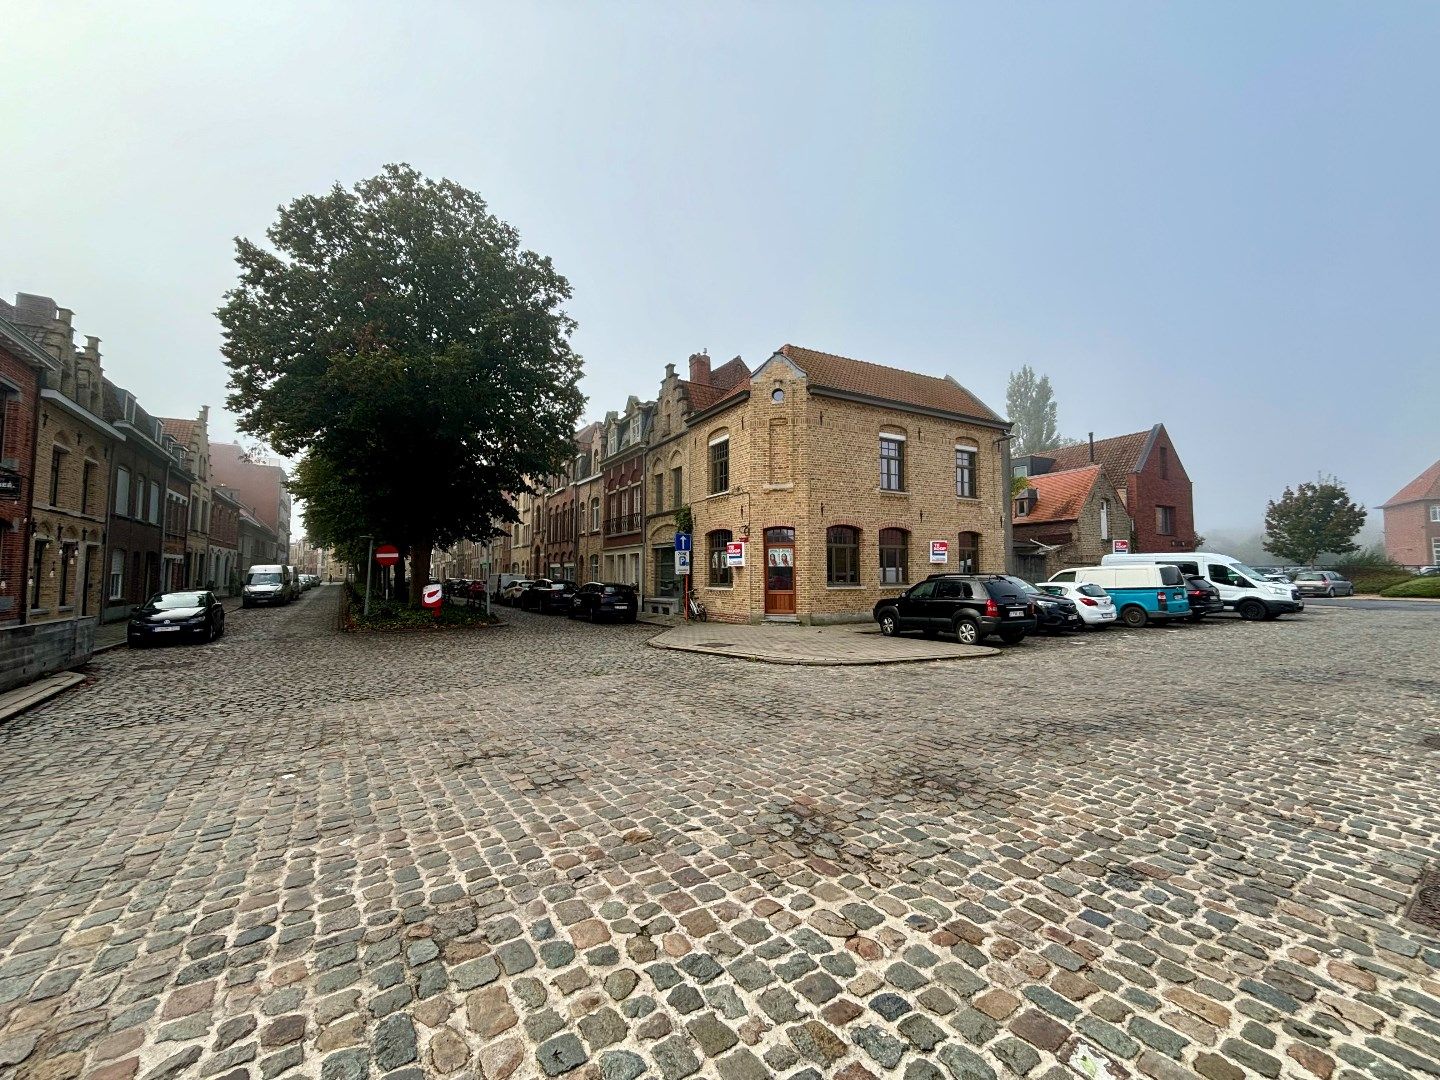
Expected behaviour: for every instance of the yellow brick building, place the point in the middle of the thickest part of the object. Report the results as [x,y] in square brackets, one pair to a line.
[844,481]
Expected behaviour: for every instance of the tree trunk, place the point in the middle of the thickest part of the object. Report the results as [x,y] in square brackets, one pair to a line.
[419,570]
[401,596]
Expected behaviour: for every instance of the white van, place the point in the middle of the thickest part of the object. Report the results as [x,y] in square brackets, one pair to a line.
[1243,588]
[1141,593]
[267,583]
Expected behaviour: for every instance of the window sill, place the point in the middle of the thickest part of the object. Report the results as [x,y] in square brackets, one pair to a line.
[780,487]
[843,588]
[887,491]
[967,498]
[718,494]
[718,588]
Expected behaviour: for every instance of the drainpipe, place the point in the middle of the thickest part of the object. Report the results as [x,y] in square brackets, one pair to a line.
[27,535]
[1006,512]
[164,513]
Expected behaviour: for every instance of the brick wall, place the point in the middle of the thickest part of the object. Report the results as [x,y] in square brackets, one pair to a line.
[70,520]
[18,448]
[30,652]
[1164,482]
[1409,533]
[811,462]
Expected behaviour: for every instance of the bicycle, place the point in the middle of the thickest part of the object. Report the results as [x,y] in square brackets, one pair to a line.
[697,610]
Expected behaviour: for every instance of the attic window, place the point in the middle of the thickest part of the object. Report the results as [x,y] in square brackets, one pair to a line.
[1025,502]
[777,395]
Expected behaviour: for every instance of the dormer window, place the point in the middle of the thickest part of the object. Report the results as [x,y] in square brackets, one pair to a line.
[1025,502]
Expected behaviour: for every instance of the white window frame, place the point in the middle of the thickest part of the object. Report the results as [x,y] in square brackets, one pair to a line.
[117,577]
[122,491]
[892,436]
[1435,511]
[1104,519]
[974,471]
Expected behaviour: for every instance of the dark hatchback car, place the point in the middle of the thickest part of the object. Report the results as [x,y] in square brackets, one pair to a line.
[1204,597]
[196,616]
[548,598]
[605,600]
[1053,614]
[970,606]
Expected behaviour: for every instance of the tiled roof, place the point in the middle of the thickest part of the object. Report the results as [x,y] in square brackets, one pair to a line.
[180,429]
[1424,486]
[1060,496]
[729,379]
[1118,456]
[887,383]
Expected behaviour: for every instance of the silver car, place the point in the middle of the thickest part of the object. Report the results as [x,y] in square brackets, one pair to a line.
[1323,583]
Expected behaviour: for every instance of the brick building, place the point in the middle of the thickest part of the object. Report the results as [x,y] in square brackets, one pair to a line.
[23,370]
[258,543]
[74,454]
[144,457]
[261,488]
[623,473]
[836,476]
[1066,518]
[224,555]
[1412,521]
[558,545]
[1148,476]
[193,437]
[589,499]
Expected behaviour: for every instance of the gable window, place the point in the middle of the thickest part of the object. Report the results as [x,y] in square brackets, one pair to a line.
[658,482]
[1165,520]
[965,472]
[894,556]
[1435,512]
[892,462]
[1104,519]
[842,555]
[719,464]
[967,553]
[718,574]
[677,486]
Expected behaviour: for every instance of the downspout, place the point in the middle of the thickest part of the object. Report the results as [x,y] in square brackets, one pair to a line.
[28,534]
[164,513]
[1006,510]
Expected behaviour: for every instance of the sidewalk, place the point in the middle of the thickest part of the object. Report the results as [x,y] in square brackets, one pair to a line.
[820,646]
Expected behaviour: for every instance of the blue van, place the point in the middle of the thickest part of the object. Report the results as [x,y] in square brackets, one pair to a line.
[1141,593]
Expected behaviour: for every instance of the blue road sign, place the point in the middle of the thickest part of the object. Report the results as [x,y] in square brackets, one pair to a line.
[682,541]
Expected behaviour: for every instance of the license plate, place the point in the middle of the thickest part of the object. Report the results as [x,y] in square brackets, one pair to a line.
[1107,615]
[1017,611]
[1073,618]
[621,607]
[165,629]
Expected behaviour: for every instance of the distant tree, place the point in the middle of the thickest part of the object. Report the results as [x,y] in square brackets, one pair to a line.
[1030,405]
[1314,517]
[399,337]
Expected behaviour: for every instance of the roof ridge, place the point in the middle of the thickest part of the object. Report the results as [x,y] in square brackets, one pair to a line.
[870,363]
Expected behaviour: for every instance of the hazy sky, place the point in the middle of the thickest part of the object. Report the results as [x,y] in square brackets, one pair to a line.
[1223,217]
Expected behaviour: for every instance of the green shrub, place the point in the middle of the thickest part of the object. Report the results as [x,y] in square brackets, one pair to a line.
[1416,587]
[392,615]
[1377,581]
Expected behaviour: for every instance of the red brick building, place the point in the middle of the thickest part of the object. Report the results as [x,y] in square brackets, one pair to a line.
[623,472]
[1412,521]
[1147,474]
[1067,518]
[21,365]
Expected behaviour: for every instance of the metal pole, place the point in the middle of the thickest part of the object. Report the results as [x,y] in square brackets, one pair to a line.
[369,568]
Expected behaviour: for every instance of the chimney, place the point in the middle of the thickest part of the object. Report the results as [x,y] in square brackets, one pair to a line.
[700,368]
[669,371]
[1092,448]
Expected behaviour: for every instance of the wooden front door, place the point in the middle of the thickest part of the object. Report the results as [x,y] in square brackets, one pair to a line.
[780,571]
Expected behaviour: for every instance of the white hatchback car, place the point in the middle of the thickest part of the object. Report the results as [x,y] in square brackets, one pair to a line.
[1094,604]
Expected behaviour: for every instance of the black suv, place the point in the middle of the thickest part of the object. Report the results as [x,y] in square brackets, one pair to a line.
[1203,596]
[970,606]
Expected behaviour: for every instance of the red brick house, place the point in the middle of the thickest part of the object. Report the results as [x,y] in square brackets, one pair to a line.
[1149,477]
[1066,518]
[1412,521]
[21,366]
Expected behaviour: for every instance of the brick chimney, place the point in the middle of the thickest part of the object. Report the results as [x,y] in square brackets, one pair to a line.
[700,368]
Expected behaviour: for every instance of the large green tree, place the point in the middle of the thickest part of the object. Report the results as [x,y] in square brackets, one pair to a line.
[399,337]
[1030,405]
[1315,517]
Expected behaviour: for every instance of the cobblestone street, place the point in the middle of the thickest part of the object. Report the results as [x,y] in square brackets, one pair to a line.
[547,849]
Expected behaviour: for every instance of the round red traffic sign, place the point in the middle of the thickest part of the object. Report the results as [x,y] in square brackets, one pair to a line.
[387,554]
[432,596]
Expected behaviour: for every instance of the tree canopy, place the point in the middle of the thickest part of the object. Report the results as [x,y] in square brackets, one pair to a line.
[1030,406]
[1316,517]
[399,338]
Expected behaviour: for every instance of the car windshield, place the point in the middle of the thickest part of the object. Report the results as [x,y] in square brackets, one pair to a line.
[1024,586]
[1308,576]
[1170,575]
[1052,590]
[1006,588]
[1241,568]
[263,579]
[1093,590]
[171,601]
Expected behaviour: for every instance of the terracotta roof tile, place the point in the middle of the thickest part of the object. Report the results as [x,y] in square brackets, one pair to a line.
[886,383]
[181,429]
[1060,496]
[1424,486]
[1117,456]
[736,380]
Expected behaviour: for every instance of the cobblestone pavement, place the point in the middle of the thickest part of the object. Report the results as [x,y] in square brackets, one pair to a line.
[547,849]
[846,643]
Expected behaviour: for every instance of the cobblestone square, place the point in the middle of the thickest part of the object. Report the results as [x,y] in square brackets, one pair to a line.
[546,849]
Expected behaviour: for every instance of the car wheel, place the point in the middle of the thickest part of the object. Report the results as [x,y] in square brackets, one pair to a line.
[1197,616]
[889,623]
[246,604]
[1251,610]
[1012,636]
[220,626]
[1330,593]
[135,643]
[967,631]
[1134,616]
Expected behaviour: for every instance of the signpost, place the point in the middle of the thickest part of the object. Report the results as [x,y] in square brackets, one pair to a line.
[940,551]
[387,555]
[682,569]
[682,563]
[432,596]
[1120,547]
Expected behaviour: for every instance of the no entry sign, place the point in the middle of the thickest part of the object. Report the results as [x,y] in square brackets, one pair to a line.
[387,554]
[432,596]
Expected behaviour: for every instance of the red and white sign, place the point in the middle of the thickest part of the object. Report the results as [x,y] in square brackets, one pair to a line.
[735,554]
[432,595]
[387,554]
[1120,547]
[940,551]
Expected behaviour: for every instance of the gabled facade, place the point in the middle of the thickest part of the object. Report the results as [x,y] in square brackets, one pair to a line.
[193,437]
[1147,473]
[24,369]
[1066,518]
[840,481]
[589,501]
[622,471]
[1412,521]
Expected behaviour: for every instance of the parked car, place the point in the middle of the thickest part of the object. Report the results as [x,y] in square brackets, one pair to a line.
[1142,592]
[1243,588]
[970,606]
[1323,583]
[1427,571]
[1053,614]
[510,594]
[295,587]
[1204,597]
[267,583]
[604,599]
[1096,609]
[178,615]
[548,597]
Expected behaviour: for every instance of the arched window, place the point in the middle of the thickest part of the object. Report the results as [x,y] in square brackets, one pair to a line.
[892,461]
[718,572]
[967,552]
[720,462]
[894,556]
[595,515]
[842,555]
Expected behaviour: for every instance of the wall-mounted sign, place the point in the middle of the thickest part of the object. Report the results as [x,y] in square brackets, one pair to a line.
[682,562]
[735,554]
[9,485]
[1120,547]
[940,551]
